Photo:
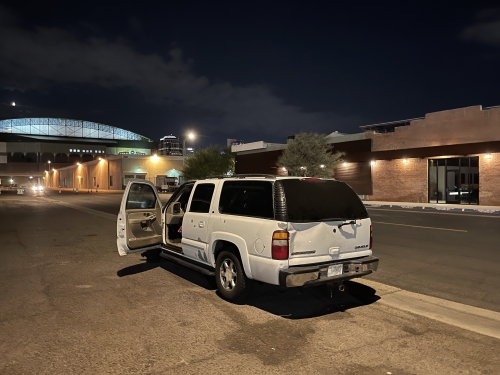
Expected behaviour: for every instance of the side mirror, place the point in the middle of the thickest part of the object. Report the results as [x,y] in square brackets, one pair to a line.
[176,208]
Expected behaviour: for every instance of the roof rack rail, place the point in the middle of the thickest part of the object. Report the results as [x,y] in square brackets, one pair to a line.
[253,175]
[242,176]
[214,176]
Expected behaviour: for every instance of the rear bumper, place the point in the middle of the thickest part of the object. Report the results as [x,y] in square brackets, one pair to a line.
[311,275]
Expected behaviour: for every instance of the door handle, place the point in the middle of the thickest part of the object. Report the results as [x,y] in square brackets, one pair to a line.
[201,224]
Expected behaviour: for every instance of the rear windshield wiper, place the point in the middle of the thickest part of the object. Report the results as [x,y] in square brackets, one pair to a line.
[347,223]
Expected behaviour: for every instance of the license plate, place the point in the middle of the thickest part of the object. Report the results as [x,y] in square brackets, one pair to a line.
[334,270]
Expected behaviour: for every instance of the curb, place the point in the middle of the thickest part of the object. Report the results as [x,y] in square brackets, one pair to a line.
[427,208]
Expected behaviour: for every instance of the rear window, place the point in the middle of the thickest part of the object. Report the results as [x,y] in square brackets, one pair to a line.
[247,198]
[321,200]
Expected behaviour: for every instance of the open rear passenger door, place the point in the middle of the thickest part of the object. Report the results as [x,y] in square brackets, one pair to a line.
[139,225]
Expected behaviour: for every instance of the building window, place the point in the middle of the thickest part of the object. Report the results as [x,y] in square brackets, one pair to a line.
[454,180]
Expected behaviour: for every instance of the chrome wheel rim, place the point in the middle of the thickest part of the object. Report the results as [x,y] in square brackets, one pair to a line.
[228,274]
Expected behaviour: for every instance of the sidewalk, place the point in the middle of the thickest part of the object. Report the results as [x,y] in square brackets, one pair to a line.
[85,190]
[435,207]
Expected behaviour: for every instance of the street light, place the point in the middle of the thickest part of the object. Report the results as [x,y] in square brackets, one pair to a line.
[191,136]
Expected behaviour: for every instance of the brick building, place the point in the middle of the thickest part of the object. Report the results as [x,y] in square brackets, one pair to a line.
[445,157]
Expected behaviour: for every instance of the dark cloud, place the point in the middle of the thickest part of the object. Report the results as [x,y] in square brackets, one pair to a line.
[487,28]
[42,57]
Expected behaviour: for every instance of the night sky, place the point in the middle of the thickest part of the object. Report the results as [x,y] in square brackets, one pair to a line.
[249,70]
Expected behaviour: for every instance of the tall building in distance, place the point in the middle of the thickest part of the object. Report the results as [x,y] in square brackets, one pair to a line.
[170,145]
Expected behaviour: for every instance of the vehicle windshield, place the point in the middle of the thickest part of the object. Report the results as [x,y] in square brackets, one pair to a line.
[321,200]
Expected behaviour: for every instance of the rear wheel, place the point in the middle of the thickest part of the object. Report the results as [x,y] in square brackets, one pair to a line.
[232,283]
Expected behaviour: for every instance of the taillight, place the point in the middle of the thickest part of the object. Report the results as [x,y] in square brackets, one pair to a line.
[371,236]
[279,248]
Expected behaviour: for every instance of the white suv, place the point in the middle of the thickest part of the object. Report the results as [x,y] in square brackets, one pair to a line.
[288,231]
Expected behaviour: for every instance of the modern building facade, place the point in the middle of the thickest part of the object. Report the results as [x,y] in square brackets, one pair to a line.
[445,157]
[31,146]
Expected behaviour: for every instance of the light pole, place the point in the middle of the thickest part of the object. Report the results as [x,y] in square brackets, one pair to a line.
[48,176]
[190,136]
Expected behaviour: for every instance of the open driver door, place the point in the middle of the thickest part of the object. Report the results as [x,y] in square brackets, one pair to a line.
[139,225]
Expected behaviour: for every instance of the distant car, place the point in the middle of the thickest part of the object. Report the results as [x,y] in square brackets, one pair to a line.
[37,188]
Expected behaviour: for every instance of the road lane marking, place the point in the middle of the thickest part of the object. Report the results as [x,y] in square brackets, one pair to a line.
[433,212]
[90,211]
[471,318]
[419,226]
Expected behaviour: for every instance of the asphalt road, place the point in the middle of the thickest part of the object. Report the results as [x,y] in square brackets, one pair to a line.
[455,256]
[70,304]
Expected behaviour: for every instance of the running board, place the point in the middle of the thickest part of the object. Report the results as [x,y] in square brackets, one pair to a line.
[187,263]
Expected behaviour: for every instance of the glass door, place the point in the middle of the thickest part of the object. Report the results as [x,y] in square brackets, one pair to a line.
[441,181]
[433,184]
[453,181]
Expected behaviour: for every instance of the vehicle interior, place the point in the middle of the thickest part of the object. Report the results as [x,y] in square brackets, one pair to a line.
[174,215]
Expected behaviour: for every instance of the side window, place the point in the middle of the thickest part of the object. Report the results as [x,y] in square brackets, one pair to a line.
[202,198]
[247,198]
[182,196]
[141,196]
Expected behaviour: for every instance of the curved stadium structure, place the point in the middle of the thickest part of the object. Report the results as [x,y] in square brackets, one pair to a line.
[61,127]
[30,146]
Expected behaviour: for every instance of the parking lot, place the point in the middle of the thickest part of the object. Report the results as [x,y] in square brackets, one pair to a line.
[70,304]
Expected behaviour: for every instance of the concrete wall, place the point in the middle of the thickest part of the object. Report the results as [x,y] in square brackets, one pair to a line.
[115,170]
[51,147]
[151,166]
[89,175]
[457,126]
[3,150]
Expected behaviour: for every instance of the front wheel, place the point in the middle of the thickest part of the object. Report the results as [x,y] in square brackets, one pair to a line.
[232,283]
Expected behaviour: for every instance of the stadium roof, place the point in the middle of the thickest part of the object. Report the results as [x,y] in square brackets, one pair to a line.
[61,127]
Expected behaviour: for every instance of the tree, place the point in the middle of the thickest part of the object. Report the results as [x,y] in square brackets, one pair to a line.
[310,154]
[210,161]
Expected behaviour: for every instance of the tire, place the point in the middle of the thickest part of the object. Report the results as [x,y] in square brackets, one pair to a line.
[232,283]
